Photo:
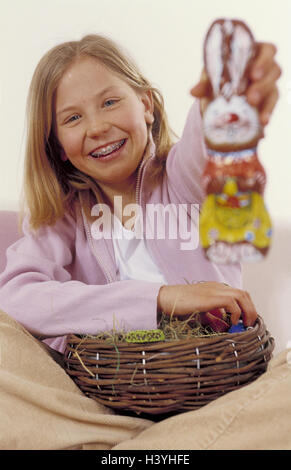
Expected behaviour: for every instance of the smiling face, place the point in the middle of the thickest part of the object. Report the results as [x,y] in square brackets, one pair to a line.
[101,124]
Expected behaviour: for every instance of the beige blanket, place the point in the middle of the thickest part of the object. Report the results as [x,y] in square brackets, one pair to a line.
[41,408]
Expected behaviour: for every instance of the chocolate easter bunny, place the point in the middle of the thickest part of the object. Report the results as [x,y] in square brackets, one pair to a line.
[234,223]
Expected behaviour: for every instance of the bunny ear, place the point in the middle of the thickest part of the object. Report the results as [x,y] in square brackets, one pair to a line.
[213,59]
[242,49]
[229,47]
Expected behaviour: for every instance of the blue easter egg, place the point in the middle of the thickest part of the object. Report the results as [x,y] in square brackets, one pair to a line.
[237,328]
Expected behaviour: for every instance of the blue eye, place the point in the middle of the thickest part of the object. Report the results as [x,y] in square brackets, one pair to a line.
[108,103]
[73,118]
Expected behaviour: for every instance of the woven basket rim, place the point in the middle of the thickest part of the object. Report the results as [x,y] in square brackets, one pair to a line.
[73,338]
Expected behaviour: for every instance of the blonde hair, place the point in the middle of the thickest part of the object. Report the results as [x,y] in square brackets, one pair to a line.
[51,185]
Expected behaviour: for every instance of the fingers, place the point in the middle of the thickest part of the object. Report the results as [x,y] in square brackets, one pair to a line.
[263,92]
[268,105]
[259,89]
[241,305]
[264,58]
[237,302]
[248,309]
[181,300]
[232,307]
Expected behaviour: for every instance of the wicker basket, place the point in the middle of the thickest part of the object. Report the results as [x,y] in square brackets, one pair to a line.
[167,376]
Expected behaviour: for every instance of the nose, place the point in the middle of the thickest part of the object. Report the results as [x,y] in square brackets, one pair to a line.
[97,126]
[232,117]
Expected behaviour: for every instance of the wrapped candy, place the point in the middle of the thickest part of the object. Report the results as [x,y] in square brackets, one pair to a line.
[234,223]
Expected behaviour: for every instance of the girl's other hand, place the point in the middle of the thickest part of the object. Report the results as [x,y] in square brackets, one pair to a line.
[262,91]
[183,299]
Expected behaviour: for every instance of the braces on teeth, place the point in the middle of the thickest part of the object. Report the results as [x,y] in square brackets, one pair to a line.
[108,149]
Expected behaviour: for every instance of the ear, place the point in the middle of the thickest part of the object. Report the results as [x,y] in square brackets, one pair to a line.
[148,102]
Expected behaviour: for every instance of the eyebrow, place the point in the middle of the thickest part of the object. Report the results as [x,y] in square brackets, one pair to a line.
[100,94]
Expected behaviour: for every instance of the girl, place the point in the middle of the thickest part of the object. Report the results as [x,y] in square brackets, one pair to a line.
[97,133]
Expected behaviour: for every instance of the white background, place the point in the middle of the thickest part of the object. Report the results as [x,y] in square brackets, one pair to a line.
[165,37]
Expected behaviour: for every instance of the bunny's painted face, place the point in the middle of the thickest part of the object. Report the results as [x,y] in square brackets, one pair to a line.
[231,123]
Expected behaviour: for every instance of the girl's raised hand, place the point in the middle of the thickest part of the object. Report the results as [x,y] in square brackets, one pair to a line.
[262,91]
[183,299]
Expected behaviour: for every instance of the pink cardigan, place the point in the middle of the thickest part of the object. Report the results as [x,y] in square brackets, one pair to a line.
[61,280]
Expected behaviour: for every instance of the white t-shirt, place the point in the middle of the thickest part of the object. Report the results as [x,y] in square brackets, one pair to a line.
[132,256]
